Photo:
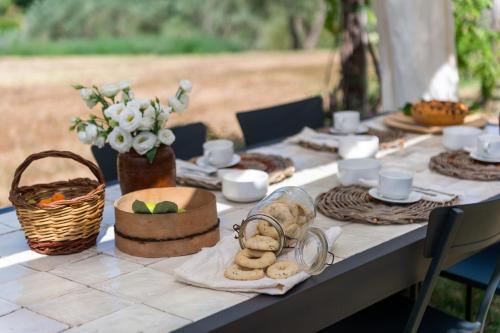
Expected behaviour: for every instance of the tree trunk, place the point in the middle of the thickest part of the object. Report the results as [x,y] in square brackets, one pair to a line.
[296,31]
[317,25]
[354,82]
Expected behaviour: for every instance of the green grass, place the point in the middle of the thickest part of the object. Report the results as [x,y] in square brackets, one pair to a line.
[125,45]
[449,296]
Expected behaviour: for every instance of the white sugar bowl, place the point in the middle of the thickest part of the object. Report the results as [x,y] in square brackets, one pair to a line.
[357,170]
[244,185]
[460,137]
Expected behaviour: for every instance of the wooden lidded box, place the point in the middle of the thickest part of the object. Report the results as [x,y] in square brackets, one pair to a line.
[167,235]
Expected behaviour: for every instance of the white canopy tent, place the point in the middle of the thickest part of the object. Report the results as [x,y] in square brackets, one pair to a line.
[417,51]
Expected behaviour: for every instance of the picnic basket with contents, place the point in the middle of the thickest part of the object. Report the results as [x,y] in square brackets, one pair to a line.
[279,222]
[60,217]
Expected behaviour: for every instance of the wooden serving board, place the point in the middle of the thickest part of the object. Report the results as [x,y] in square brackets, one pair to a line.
[406,123]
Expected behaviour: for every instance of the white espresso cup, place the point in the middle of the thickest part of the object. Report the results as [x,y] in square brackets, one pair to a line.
[395,183]
[346,121]
[218,153]
[488,145]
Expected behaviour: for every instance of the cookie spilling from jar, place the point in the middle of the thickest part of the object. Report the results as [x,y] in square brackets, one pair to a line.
[258,259]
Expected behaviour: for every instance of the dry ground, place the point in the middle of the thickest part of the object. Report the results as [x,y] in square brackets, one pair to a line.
[36,99]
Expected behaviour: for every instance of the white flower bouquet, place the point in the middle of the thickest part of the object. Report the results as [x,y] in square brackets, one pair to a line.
[127,122]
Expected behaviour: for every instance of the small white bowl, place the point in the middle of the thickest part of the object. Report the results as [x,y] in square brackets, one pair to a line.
[353,170]
[460,137]
[358,146]
[244,185]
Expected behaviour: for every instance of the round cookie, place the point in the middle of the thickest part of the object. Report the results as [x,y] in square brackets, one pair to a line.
[266,229]
[244,258]
[282,270]
[235,272]
[291,229]
[262,243]
[280,211]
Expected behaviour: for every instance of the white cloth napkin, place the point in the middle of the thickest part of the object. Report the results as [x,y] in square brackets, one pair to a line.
[308,135]
[186,169]
[206,269]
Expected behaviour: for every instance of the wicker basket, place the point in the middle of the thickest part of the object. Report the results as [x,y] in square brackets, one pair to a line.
[62,227]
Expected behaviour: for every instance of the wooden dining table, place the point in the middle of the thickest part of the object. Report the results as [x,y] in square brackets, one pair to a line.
[104,290]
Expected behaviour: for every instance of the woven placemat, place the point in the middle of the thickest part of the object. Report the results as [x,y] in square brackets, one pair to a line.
[458,164]
[387,139]
[278,168]
[354,204]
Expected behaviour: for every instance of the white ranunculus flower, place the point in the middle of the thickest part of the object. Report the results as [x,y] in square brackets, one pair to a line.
[141,104]
[164,114]
[130,119]
[82,135]
[86,93]
[176,105]
[88,135]
[114,111]
[143,142]
[91,131]
[99,141]
[124,85]
[120,140]
[89,97]
[186,85]
[148,119]
[109,90]
[184,99]
[166,136]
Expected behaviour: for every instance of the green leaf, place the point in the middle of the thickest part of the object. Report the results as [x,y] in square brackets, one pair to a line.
[407,109]
[77,86]
[165,207]
[150,155]
[140,207]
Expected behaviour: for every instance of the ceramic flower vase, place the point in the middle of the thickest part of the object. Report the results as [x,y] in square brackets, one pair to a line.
[136,173]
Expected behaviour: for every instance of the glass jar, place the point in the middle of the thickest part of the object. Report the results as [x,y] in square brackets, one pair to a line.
[287,215]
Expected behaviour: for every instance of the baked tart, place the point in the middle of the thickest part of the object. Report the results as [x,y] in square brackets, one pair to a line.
[439,113]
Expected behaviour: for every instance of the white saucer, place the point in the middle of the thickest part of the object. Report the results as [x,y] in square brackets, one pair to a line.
[413,197]
[360,130]
[204,163]
[480,157]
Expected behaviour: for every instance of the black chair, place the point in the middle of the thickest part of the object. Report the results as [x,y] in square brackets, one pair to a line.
[451,231]
[474,272]
[280,121]
[188,143]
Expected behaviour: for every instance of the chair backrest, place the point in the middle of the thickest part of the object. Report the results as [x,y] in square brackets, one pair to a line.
[188,143]
[280,121]
[189,140]
[452,231]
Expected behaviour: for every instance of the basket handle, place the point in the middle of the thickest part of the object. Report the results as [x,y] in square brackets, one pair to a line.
[53,153]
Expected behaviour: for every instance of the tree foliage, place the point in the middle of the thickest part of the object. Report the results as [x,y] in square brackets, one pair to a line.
[475,40]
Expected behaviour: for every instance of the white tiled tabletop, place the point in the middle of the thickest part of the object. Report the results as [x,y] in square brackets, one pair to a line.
[104,290]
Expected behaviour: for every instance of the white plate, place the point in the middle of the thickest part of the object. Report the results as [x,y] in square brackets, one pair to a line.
[360,130]
[480,157]
[204,163]
[413,197]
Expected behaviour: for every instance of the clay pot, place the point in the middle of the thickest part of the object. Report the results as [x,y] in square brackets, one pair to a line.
[136,173]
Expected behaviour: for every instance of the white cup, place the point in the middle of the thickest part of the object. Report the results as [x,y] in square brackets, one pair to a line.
[395,184]
[358,146]
[488,145]
[460,137]
[346,121]
[244,185]
[218,153]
